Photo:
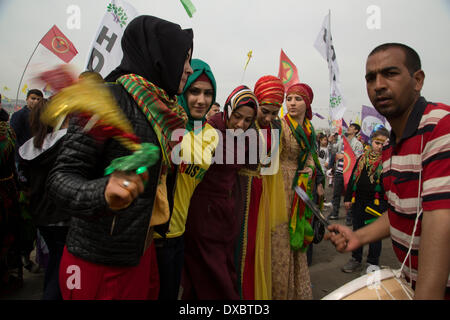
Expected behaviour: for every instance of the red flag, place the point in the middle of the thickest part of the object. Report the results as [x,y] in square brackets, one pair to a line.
[57,42]
[288,71]
[349,162]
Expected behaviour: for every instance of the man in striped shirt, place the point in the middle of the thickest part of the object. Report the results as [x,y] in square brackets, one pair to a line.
[416,173]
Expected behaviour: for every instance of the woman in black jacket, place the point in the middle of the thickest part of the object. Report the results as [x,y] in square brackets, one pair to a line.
[107,252]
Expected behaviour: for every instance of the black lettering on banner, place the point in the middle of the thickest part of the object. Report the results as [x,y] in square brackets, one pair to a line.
[100,61]
[103,36]
[333,57]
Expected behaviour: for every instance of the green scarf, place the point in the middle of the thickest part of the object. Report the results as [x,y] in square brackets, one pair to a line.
[164,114]
[300,229]
[199,67]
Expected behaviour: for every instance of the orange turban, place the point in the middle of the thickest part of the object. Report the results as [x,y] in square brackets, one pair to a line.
[269,90]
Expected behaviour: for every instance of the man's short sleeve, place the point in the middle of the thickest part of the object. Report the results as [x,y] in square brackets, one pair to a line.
[436,167]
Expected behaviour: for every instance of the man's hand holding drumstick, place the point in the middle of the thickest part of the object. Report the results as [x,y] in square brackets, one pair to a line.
[345,240]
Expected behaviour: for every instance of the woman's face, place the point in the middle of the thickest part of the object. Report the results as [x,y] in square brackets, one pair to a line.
[187,71]
[199,98]
[267,113]
[241,118]
[296,105]
[378,142]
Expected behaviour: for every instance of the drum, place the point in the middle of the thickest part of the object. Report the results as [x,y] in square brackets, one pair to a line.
[377,285]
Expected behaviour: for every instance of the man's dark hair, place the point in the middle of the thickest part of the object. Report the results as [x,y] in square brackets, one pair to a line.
[217,104]
[356,126]
[36,92]
[412,59]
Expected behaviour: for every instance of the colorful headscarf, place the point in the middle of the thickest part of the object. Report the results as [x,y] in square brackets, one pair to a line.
[305,91]
[269,90]
[241,96]
[201,69]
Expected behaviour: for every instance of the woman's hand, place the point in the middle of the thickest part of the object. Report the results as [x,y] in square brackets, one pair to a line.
[123,188]
[307,170]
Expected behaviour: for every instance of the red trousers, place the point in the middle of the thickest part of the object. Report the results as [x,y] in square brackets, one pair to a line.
[83,280]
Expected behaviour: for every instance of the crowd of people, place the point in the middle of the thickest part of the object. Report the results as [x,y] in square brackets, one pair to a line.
[217,216]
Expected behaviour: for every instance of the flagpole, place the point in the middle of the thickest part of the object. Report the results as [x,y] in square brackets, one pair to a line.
[329,61]
[21,78]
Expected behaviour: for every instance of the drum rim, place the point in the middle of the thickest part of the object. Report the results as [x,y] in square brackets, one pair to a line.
[357,284]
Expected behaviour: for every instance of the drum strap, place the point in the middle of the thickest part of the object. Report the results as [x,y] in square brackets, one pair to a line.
[419,213]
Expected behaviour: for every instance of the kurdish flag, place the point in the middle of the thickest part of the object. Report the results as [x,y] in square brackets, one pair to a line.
[288,71]
[55,41]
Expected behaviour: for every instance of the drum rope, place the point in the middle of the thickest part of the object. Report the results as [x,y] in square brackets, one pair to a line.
[387,291]
[419,213]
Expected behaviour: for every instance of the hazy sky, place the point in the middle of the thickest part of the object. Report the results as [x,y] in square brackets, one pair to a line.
[224,31]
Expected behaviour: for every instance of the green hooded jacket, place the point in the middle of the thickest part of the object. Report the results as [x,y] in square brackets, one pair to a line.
[199,67]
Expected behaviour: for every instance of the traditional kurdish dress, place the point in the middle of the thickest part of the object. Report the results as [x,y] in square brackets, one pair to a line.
[213,224]
[292,279]
[263,214]
[365,189]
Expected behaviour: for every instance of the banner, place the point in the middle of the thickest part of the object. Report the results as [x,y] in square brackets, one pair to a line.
[106,50]
[349,162]
[55,41]
[324,44]
[369,119]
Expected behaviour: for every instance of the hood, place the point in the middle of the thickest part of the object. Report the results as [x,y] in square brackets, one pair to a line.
[29,152]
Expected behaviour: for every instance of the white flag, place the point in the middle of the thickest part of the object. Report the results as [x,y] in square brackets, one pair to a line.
[106,50]
[324,44]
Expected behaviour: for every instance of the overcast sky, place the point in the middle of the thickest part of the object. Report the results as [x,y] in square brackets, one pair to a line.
[225,30]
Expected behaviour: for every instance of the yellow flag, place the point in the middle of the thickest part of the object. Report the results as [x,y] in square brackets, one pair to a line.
[24,89]
[249,56]
[5,88]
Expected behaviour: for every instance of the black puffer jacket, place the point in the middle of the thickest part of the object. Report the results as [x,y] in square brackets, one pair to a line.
[77,180]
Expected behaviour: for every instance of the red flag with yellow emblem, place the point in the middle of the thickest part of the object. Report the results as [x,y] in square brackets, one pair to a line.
[55,41]
[349,162]
[288,71]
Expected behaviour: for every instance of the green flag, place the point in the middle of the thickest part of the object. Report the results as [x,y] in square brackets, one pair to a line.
[189,7]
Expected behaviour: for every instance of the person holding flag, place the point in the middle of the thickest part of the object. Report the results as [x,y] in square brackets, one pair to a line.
[365,190]
[339,183]
[109,252]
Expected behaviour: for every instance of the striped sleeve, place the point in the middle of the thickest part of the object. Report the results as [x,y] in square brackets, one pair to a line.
[436,167]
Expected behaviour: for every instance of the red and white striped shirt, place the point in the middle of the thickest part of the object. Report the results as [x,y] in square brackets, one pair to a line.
[424,148]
